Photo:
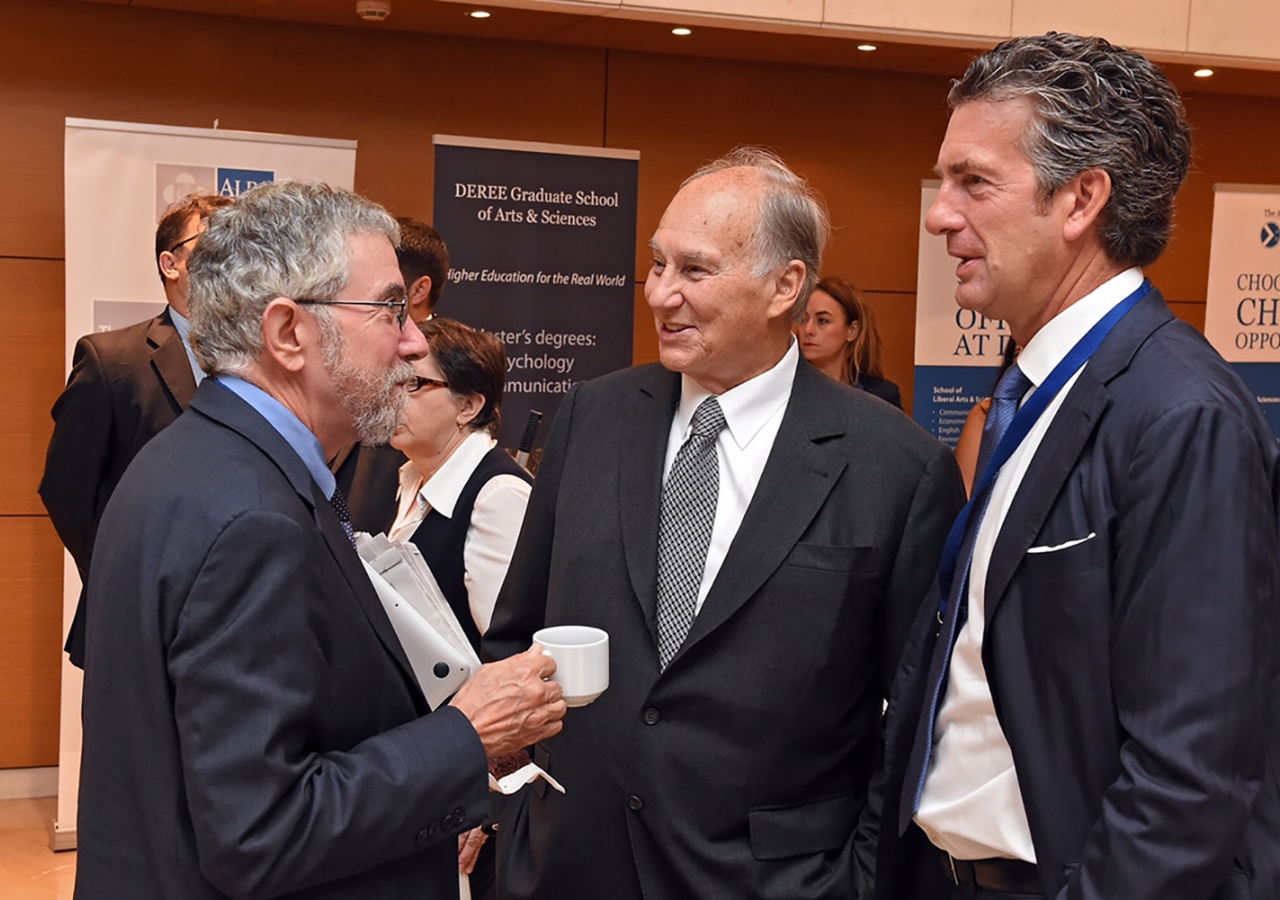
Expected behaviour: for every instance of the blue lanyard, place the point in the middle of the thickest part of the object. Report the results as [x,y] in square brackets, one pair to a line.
[1021,426]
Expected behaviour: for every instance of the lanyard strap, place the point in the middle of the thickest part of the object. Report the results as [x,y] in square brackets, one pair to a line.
[1027,416]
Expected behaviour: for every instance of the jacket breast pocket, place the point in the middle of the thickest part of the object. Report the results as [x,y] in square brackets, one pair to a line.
[1066,560]
[815,827]
[834,558]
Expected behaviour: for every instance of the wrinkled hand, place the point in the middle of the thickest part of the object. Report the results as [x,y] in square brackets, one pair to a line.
[511,704]
[469,844]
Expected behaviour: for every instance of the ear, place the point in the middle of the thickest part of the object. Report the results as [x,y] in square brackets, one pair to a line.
[419,298]
[855,329]
[469,406]
[786,290]
[285,334]
[1084,196]
[169,265]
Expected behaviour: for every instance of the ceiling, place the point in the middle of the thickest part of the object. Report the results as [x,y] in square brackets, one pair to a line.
[600,29]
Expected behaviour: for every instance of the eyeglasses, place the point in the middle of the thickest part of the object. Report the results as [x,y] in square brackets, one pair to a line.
[186,240]
[418,382]
[399,308]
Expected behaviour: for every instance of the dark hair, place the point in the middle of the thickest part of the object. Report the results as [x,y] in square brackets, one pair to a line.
[1097,106]
[865,358]
[473,363]
[175,218]
[422,252]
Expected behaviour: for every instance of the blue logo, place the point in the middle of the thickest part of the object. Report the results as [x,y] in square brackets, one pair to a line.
[1270,234]
[234,182]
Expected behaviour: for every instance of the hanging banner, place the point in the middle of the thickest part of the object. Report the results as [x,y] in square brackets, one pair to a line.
[1242,308]
[542,242]
[119,179]
[958,351]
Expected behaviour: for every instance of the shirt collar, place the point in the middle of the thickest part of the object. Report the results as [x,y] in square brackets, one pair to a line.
[182,325]
[1054,341]
[289,426]
[442,490]
[748,406]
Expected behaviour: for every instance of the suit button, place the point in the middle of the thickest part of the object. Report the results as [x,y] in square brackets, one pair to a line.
[434,830]
[459,816]
[422,835]
[651,716]
[634,802]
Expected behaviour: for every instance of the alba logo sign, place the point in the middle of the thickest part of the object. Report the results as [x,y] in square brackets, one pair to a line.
[176,181]
[1271,235]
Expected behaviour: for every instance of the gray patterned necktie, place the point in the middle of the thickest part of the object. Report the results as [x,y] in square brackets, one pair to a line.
[684,527]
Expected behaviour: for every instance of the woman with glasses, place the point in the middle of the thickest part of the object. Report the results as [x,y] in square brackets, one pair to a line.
[462,499]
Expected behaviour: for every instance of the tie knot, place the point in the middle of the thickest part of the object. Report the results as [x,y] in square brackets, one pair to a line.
[708,419]
[1013,384]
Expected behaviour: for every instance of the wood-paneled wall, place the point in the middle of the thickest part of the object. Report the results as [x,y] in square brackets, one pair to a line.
[865,139]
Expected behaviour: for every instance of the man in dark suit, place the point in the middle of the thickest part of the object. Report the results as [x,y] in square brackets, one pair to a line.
[125,386]
[756,576]
[370,475]
[1097,715]
[252,725]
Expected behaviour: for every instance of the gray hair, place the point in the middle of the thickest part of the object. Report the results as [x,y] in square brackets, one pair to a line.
[279,240]
[1097,106]
[792,222]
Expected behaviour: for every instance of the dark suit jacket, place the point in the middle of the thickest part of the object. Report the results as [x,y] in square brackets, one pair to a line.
[370,479]
[1134,673]
[742,769]
[125,386]
[883,388]
[251,725]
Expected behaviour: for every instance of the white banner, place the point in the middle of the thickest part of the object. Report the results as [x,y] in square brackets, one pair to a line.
[119,178]
[1242,305]
[957,351]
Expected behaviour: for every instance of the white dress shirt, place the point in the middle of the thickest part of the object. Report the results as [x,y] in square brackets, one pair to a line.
[972,806]
[753,412]
[495,518]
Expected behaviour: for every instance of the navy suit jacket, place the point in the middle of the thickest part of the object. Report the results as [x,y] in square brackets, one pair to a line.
[1134,672]
[742,769]
[125,386]
[252,727]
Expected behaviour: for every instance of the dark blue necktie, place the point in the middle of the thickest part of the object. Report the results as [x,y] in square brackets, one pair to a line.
[339,503]
[1004,405]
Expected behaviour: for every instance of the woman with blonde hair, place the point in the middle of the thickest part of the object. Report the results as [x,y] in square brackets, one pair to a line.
[839,336]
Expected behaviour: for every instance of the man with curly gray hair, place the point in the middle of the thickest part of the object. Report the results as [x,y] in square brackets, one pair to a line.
[1089,710]
[252,725]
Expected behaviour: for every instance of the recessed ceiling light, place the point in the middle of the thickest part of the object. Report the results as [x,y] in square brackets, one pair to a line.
[682,31]
[373,10]
[1203,73]
[479,14]
[866,48]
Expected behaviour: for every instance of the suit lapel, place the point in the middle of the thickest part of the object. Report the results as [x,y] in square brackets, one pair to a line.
[796,481]
[169,357]
[348,560]
[1064,442]
[220,404]
[642,451]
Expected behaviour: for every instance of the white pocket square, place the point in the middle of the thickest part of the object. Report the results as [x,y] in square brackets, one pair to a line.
[1063,546]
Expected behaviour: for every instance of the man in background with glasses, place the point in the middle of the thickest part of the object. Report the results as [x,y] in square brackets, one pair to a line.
[252,725]
[125,386]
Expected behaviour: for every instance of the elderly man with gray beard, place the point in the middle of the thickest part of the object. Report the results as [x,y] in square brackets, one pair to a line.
[252,726]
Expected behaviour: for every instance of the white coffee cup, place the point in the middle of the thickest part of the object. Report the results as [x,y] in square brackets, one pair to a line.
[581,653]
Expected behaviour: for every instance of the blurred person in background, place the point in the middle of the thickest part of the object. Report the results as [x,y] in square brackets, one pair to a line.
[839,336]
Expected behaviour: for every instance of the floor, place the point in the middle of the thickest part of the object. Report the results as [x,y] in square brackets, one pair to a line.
[29,870]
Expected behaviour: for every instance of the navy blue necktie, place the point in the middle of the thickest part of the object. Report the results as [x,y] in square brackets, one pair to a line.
[1004,406]
[339,503]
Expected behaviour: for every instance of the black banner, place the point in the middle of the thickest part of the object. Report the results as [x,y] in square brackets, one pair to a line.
[542,247]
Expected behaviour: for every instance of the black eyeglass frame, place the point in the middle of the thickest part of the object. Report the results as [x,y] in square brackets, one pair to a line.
[418,382]
[185,240]
[399,307]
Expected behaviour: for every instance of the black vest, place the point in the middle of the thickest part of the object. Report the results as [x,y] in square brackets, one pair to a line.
[442,540]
